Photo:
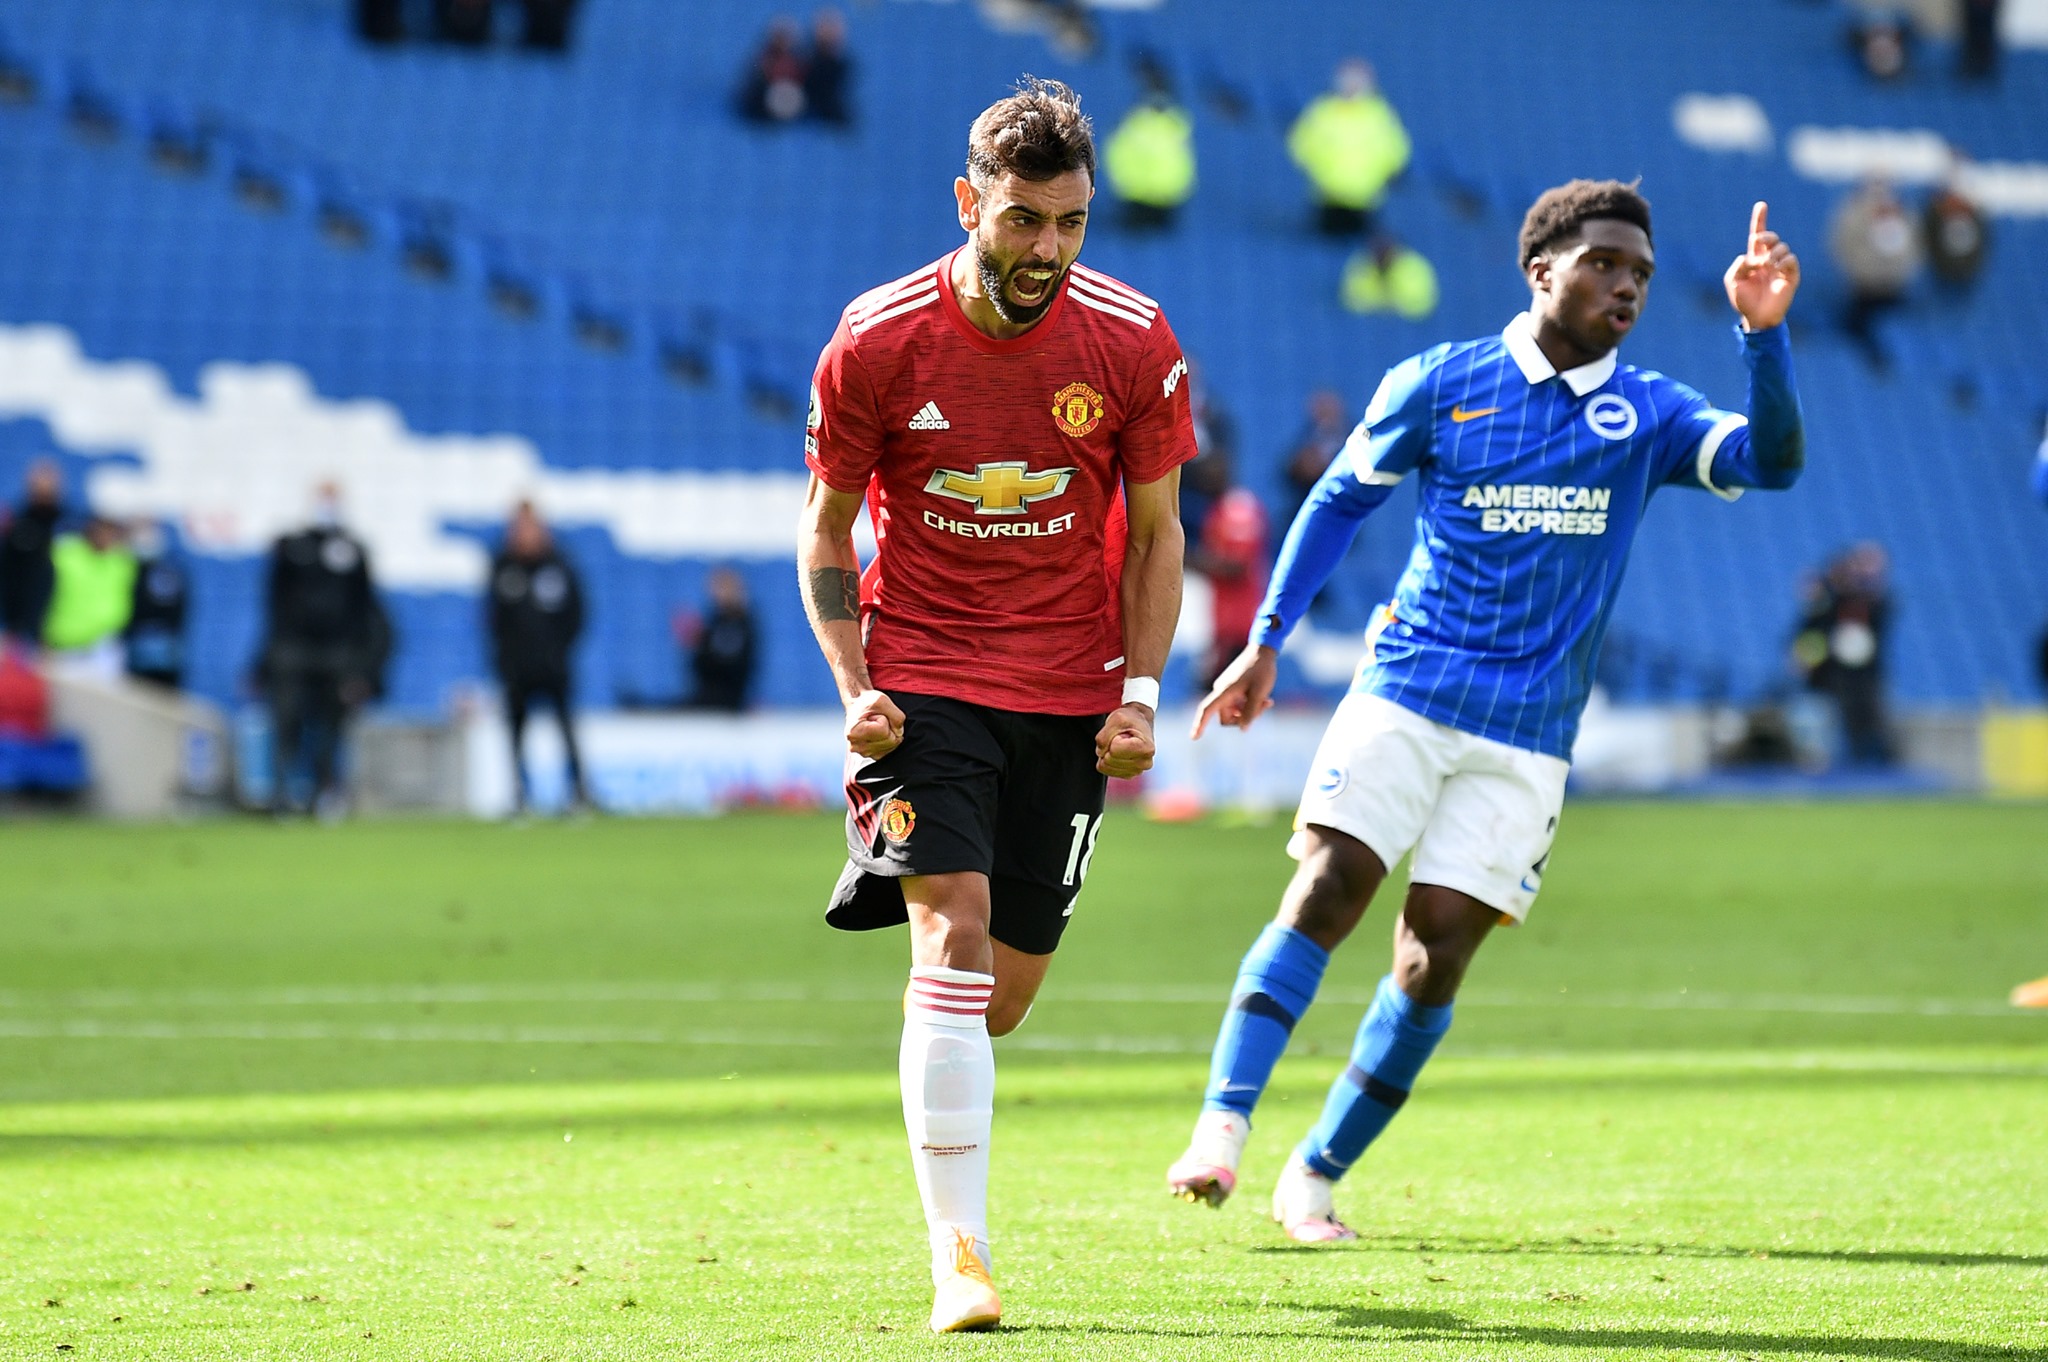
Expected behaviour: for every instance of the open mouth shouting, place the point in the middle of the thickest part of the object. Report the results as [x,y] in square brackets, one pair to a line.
[1021,294]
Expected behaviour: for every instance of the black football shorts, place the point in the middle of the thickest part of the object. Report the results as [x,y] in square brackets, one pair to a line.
[1014,796]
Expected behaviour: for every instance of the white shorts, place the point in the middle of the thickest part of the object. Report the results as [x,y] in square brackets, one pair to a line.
[1479,815]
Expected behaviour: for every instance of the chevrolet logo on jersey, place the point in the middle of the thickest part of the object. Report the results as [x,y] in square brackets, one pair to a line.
[1000,488]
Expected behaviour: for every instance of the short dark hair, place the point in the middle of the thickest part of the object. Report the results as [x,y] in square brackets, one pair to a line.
[1558,214]
[1039,133]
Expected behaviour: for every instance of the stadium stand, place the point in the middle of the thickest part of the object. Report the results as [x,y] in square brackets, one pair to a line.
[589,265]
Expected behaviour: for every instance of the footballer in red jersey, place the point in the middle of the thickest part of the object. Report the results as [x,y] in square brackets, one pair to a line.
[1014,424]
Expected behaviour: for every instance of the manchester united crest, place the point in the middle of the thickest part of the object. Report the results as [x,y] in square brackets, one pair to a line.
[899,819]
[1077,409]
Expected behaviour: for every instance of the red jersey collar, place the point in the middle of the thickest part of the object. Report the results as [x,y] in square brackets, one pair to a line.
[979,338]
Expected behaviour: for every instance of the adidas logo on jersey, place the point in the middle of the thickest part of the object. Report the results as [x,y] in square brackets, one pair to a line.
[928,418]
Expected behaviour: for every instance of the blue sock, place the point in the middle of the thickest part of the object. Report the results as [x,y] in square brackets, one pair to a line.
[1275,985]
[1394,1041]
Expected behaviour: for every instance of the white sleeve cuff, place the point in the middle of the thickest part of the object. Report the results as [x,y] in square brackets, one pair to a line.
[1710,445]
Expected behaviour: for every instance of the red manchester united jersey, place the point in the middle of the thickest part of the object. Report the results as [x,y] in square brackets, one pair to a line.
[993,473]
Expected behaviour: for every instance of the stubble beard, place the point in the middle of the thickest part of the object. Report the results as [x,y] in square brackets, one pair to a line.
[997,288]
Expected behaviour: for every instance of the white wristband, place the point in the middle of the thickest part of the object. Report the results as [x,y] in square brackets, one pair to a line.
[1142,690]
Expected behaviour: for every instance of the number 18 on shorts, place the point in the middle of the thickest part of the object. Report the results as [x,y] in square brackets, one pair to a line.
[1015,797]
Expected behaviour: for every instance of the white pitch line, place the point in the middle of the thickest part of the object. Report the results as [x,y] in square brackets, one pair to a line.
[428,1035]
[550,1035]
[1041,1042]
[457,995]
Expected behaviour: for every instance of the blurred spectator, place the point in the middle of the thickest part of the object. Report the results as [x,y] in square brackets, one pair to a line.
[1387,276]
[1978,58]
[155,636]
[1210,473]
[24,697]
[2040,481]
[380,21]
[465,22]
[1215,428]
[536,615]
[1956,236]
[1320,439]
[1203,481]
[95,591]
[1879,44]
[1150,159]
[723,646]
[772,90]
[1878,248]
[547,25]
[325,648]
[1232,555]
[1351,145]
[26,575]
[828,75]
[1840,646]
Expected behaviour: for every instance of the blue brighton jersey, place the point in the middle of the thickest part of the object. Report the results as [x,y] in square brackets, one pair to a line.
[1533,484]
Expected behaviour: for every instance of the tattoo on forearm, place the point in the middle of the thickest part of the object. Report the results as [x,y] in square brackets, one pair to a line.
[835,594]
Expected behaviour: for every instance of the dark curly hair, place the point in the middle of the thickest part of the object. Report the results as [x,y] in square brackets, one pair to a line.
[1556,216]
[1039,133]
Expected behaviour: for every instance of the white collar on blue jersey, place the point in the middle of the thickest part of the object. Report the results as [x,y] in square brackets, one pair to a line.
[1520,338]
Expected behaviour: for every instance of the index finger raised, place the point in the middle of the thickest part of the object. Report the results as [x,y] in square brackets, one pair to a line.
[1757,215]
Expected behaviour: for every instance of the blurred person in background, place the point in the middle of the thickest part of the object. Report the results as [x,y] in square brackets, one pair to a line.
[1840,646]
[1207,476]
[1149,160]
[325,647]
[94,575]
[1978,55]
[1880,43]
[155,636]
[1877,245]
[536,616]
[380,21]
[772,87]
[828,73]
[1351,144]
[26,575]
[1322,435]
[1956,235]
[1231,553]
[724,646]
[1387,276]
[466,23]
[547,25]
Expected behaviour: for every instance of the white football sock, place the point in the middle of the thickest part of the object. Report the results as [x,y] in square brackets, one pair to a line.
[948,1070]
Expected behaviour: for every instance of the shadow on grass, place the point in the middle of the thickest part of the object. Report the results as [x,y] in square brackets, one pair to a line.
[1365,1324]
[1579,1247]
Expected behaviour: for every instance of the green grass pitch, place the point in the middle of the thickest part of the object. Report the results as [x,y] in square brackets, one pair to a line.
[1745,1087]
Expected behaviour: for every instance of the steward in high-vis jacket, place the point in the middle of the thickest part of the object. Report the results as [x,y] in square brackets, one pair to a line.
[1150,161]
[1351,144]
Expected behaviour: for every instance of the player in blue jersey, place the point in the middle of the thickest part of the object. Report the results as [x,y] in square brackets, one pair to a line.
[1536,453]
